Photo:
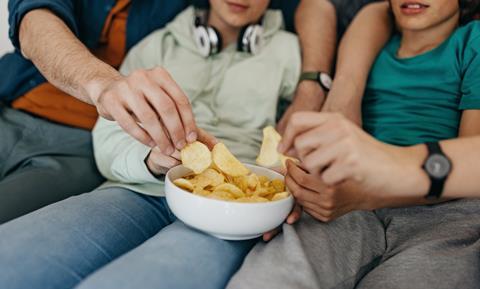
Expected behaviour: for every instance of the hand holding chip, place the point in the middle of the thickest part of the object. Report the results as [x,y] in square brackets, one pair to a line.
[158,163]
[343,168]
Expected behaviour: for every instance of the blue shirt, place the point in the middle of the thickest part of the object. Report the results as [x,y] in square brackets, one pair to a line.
[86,18]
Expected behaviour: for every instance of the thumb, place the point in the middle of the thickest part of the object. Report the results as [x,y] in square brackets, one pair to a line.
[204,137]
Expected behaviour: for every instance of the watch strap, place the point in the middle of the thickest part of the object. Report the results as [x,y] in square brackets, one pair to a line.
[436,184]
[315,76]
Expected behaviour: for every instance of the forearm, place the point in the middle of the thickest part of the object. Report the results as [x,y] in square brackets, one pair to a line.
[62,58]
[358,49]
[316,25]
[463,182]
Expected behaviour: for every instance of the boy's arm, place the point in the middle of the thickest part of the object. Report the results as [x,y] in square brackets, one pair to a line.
[46,40]
[470,123]
[315,22]
[358,49]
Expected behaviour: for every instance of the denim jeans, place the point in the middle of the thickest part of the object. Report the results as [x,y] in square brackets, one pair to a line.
[113,238]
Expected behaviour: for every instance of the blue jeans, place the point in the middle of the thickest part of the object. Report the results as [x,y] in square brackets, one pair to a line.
[113,238]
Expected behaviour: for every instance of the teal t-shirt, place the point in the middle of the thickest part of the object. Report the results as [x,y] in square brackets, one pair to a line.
[420,99]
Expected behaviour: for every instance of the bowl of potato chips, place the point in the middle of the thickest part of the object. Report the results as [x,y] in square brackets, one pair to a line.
[214,192]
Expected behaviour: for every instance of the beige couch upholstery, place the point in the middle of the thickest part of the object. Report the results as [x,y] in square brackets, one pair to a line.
[5,45]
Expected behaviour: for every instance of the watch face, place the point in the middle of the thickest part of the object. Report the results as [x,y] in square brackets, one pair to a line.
[438,166]
[326,80]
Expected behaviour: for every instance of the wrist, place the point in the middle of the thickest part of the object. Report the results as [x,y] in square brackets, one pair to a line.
[415,180]
[310,94]
[153,168]
[99,83]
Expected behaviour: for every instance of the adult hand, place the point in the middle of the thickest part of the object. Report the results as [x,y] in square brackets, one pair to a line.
[308,97]
[346,169]
[151,107]
[159,163]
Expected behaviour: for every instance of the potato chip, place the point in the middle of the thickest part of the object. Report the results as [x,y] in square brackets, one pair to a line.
[201,181]
[253,181]
[221,195]
[219,175]
[252,199]
[226,161]
[197,157]
[280,196]
[232,189]
[278,185]
[241,182]
[263,191]
[201,192]
[263,179]
[269,156]
[284,159]
[214,177]
[184,184]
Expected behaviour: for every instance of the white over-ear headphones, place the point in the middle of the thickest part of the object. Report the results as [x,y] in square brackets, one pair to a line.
[209,40]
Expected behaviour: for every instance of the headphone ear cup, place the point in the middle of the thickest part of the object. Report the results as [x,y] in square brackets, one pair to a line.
[202,40]
[251,39]
[216,42]
[256,39]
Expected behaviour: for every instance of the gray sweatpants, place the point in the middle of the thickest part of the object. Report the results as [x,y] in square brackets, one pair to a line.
[41,163]
[417,247]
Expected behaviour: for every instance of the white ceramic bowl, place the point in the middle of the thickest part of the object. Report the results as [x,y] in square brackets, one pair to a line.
[222,219]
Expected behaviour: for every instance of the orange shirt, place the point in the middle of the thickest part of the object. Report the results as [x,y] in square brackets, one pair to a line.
[51,103]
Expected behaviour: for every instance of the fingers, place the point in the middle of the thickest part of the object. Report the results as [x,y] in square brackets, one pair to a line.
[316,138]
[308,181]
[299,123]
[295,214]
[128,124]
[149,121]
[270,235]
[209,140]
[158,163]
[166,109]
[320,159]
[166,82]
[337,173]
[301,194]
[319,216]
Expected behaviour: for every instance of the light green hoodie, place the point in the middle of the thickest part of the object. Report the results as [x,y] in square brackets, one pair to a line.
[234,95]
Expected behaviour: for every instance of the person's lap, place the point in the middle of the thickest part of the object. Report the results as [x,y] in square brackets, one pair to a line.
[177,257]
[430,247]
[60,245]
[424,247]
[315,255]
[41,163]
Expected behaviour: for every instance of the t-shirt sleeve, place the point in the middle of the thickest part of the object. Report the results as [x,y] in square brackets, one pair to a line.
[64,9]
[470,87]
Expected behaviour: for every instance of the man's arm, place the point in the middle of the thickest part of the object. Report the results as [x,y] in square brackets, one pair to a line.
[358,49]
[67,63]
[315,22]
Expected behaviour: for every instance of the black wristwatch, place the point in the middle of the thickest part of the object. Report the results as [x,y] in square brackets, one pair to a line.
[322,78]
[438,167]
